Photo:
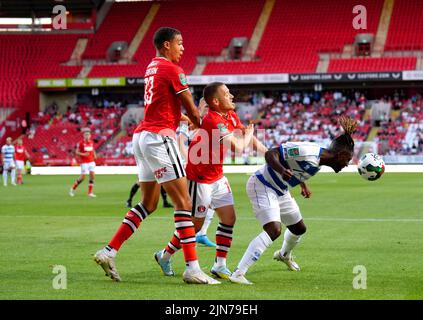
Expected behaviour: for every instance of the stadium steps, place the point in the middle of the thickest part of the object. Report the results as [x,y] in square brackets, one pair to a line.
[85,71]
[372,133]
[395,114]
[260,28]
[78,51]
[5,113]
[367,115]
[142,31]
[383,28]
[199,68]
[323,64]
[347,51]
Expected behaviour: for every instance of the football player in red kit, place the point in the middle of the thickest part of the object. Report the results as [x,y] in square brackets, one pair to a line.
[85,151]
[158,159]
[20,154]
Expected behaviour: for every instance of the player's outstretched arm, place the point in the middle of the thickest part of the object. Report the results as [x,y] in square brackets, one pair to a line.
[260,147]
[273,160]
[191,109]
[239,143]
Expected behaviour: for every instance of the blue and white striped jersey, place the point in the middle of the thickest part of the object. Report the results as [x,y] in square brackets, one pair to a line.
[301,157]
[8,153]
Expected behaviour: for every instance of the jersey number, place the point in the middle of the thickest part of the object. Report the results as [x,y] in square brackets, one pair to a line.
[148,91]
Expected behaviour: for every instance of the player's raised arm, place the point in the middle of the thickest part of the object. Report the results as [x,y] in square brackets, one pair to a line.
[240,142]
[260,147]
[191,109]
[273,160]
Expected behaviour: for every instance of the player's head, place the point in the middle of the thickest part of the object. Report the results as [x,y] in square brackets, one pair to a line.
[168,42]
[342,147]
[87,135]
[218,97]
[9,141]
[19,141]
[203,108]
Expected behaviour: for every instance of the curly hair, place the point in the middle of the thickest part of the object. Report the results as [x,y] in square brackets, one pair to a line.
[345,141]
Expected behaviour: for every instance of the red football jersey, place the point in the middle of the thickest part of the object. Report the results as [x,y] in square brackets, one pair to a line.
[84,146]
[20,153]
[216,126]
[163,81]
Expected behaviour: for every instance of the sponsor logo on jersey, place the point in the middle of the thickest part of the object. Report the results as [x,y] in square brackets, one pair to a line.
[183,79]
[293,152]
[222,128]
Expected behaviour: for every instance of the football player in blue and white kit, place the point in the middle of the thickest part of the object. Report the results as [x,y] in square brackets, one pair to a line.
[8,159]
[288,166]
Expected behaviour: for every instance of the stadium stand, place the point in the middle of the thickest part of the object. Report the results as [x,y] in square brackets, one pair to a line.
[406,27]
[21,64]
[365,64]
[229,19]
[53,136]
[292,42]
[117,70]
[128,14]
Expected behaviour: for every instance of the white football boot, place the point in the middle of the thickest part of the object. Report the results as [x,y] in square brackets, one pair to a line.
[239,278]
[198,277]
[288,260]
[108,264]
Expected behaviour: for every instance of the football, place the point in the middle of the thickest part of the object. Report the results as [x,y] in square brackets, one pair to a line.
[371,166]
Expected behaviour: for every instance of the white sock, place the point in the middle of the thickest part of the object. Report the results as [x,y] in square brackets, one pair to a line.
[5,177]
[193,265]
[220,262]
[166,255]
[12,176]
[110,251]
[206,223]
[289,242]
[254,251]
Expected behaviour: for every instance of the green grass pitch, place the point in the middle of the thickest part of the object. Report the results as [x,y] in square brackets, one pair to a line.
[350,222]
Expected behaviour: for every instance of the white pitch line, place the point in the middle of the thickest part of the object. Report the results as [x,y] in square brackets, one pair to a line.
[328,219]
[333,219]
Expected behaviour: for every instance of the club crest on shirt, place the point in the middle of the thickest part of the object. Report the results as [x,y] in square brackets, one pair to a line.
[183,79]
[222,128]
[293,152]
[201,209]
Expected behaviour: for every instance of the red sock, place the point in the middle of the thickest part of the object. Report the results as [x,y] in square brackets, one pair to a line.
[130,223]
[90,188]
[76,184]
[19,181]
[223,239]
[174,243]
[186,231]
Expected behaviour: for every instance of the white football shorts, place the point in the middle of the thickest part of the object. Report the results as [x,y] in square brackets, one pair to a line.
[20,164]
[214,195]
[86,168]
[8,165]
[269,207]
[158,157]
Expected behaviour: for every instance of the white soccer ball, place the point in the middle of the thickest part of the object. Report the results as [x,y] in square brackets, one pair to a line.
[371,166]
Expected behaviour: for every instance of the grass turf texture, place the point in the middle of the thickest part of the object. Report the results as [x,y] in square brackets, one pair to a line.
[350,222]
